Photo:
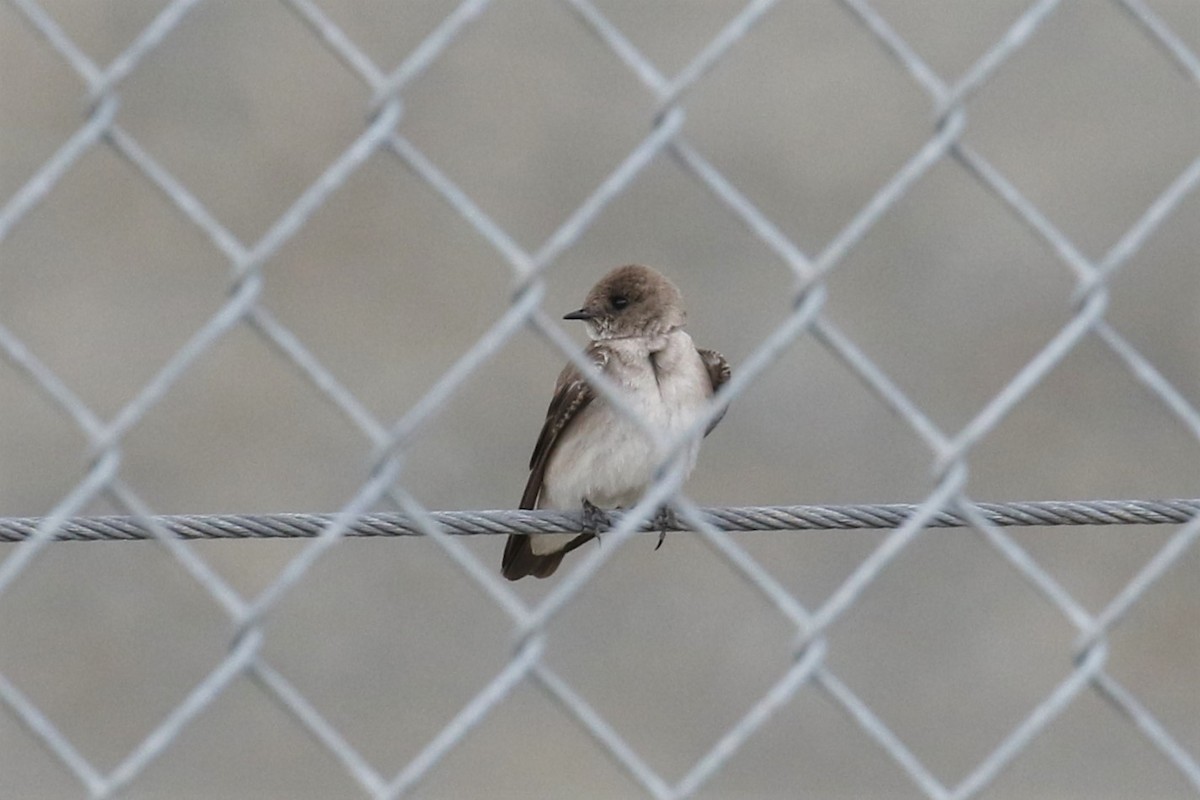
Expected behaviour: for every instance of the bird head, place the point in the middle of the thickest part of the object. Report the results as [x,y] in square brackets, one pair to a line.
[632,301]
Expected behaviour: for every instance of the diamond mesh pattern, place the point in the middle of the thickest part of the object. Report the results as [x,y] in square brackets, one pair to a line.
[669,136]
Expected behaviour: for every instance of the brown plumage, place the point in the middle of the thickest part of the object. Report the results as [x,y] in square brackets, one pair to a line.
[636,316]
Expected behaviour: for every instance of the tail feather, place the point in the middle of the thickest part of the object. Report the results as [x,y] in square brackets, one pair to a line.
[520,560]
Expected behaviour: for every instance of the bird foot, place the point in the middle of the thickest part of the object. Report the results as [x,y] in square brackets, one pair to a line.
[595,519]
[665,520]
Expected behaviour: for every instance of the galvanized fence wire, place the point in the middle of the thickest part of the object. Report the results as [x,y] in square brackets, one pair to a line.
[383,132]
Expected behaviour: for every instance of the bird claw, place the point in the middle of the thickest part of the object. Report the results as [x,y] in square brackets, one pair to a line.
[595,519]
[665,520]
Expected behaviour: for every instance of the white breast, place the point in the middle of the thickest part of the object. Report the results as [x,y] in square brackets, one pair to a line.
[603,456]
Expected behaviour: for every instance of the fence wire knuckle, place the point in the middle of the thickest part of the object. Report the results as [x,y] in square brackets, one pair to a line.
[384,117]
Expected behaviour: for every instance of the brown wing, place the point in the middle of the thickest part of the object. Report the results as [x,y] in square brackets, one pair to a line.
[718,374]
[572,393]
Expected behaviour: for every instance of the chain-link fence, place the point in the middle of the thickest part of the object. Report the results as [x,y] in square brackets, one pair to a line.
[305,256]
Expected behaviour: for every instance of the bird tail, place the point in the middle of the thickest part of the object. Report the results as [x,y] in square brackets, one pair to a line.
[520,560]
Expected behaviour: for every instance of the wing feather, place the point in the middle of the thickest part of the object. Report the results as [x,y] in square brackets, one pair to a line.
[718,375]
[572,394]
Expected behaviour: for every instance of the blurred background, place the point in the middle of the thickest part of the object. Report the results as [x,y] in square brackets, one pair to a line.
[386,285]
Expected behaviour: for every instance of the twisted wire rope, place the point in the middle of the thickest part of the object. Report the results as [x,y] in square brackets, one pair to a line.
[867,516]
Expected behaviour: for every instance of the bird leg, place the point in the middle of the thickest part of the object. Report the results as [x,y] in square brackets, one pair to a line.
[595,519]
[665,520]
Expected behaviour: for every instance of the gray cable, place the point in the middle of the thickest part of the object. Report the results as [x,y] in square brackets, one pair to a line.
[744,518]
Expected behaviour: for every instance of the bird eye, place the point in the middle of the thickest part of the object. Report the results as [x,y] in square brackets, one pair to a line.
[619,301]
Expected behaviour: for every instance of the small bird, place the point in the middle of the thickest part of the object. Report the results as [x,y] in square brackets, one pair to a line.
[588,453]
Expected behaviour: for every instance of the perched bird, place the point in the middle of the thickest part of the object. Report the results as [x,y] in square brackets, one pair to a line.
[591,456]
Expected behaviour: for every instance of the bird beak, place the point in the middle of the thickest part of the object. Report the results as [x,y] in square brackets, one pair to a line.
[582,313]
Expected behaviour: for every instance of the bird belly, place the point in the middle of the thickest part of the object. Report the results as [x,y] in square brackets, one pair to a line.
[608,460]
